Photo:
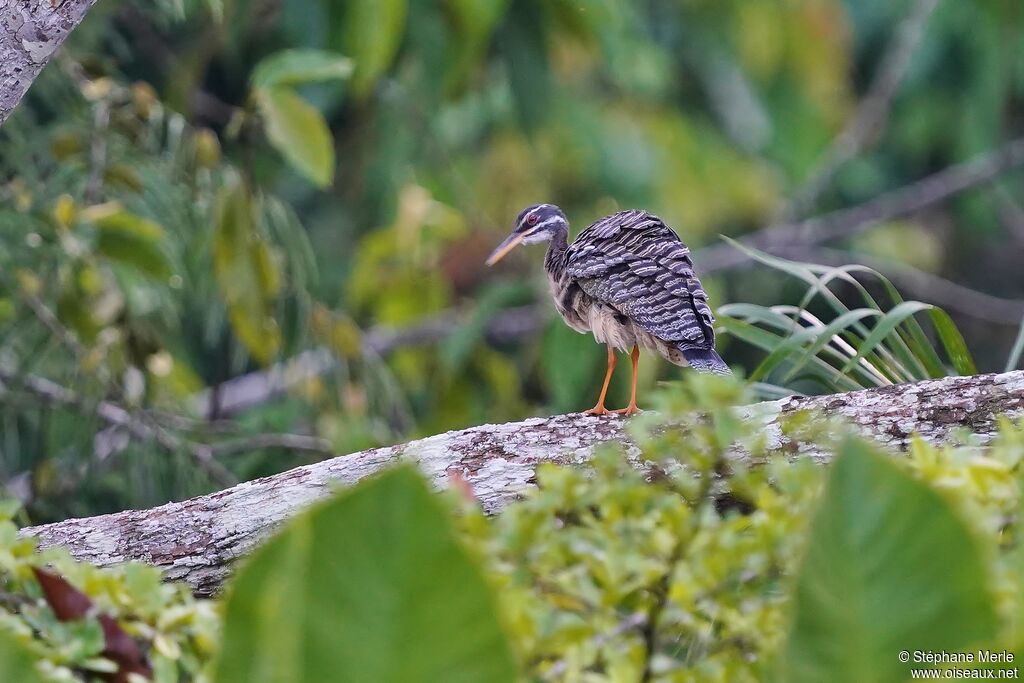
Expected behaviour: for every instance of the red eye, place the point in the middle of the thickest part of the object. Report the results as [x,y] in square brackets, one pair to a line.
[531,219]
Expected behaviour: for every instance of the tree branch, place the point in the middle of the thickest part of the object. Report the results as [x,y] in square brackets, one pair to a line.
[927,192]
[255,388]
[30,33]
[197,540]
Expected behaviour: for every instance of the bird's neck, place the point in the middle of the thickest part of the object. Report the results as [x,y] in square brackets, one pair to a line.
[554,260]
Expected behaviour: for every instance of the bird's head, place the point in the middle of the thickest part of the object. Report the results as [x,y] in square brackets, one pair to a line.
[536,223]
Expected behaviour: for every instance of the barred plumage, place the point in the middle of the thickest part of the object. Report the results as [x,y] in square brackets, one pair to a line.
[629,280]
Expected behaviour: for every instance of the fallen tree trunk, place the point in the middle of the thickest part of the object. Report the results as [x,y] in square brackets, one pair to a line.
[197,540]
[30,33]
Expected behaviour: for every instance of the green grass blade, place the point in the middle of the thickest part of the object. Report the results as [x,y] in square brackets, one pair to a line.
[769,341]
[818,278]
[900,356]
[953,342]
[1018,348]
[884,328]
[824,336]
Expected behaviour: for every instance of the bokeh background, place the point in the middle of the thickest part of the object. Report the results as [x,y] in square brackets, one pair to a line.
[257,229]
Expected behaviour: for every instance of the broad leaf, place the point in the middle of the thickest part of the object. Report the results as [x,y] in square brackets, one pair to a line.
[370,586]
[889,567]
[299,132]
[293,67]
[15,662]
[373,32]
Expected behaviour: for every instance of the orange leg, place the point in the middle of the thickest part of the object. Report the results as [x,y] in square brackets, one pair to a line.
[599,409]
[631,409]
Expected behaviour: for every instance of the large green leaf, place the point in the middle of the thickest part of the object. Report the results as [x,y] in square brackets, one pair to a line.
[373,33]
[246,273]
[15,662]
[299,132]
[370,586]
[889,567]
[293,67]
[133,240]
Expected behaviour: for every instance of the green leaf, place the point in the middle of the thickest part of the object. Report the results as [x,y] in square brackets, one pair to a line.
[135,241]
[299,132]
[885,327]
[953,342]
[373,33]
[246,273]
[293,67]
[475,22]
[889,567]
[825,335]
[370,586]
[523,43]
[730,323]
[15,662]
[1018,349]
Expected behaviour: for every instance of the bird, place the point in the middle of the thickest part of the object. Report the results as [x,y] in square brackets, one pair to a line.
[627,279]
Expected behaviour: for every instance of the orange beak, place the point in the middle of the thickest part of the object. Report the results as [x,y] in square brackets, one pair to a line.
[510,243]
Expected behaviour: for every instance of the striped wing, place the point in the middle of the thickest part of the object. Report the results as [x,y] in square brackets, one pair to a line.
[634,262]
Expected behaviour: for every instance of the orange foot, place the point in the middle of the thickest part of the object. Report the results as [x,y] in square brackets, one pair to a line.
[599,409]
[631,409]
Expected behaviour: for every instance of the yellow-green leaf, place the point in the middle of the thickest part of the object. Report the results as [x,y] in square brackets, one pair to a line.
[373,33]
[292,67]
[246,273]
[130,239]
[15,662]
[299,132]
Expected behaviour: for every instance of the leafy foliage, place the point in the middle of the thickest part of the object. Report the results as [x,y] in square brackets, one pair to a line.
[381,148]
[63,630]
[694,567]
[859,347]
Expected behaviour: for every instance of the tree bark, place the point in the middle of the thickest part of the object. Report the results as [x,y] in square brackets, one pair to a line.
[197,540]
[30,33]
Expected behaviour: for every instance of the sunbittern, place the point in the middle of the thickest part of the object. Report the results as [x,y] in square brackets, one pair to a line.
[629,280]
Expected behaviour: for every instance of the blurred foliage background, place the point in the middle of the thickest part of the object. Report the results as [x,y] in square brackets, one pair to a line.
[236,236]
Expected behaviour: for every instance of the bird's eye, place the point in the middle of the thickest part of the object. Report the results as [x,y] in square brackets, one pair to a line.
[531,219]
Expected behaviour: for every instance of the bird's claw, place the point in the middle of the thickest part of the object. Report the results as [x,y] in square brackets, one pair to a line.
[601,410]
[598,410]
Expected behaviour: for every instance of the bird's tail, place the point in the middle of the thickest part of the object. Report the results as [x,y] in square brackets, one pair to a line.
[706,360]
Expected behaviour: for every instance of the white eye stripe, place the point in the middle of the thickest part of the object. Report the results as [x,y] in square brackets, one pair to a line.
[553,219]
